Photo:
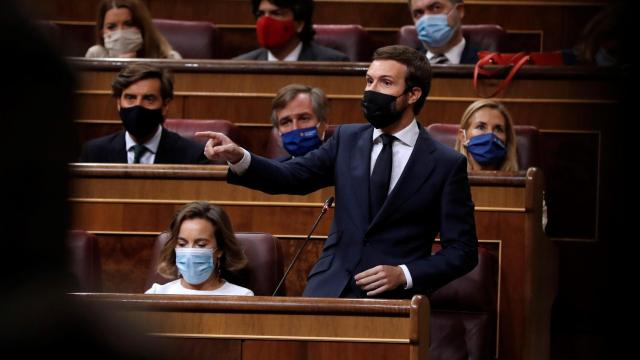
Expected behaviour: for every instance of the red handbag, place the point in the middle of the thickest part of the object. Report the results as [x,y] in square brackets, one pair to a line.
[515,61]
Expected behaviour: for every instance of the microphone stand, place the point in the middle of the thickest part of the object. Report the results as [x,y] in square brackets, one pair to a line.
[325,207]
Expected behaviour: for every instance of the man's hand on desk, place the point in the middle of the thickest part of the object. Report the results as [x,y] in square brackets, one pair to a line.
[220,147]
[380,278]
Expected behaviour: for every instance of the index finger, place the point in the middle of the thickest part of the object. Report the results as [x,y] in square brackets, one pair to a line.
[208,134]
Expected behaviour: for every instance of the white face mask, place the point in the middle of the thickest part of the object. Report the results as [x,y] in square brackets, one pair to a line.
[122,41]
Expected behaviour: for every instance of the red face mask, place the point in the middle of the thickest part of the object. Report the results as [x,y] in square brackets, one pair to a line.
[273,33]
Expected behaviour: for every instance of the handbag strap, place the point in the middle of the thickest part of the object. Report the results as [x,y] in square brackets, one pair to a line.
[493,58]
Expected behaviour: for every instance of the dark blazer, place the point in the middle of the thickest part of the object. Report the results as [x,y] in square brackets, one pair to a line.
[432,196]
[310,52]
[469,54]
[173,149]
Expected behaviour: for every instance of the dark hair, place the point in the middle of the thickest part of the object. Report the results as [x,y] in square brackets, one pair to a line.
[154,44]
[302,11]
[133,73]
[233,257]
[289,92]
[418,69]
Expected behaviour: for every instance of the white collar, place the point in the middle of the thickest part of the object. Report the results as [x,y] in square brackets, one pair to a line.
[408,135]
[293,55]
[151,145]
[454,54]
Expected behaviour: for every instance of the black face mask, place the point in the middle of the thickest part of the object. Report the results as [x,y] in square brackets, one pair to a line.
[380,109]
[140,121]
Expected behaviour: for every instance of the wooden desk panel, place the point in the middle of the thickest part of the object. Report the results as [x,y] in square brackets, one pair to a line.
[280,328]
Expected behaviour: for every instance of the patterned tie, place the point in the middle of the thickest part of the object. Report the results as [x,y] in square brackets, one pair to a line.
[381,176]
[439,59]
[138,151]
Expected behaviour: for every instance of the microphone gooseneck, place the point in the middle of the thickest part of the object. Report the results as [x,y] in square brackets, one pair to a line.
[325,207]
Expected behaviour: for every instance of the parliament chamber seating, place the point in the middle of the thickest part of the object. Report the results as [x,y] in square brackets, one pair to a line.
[350,39]
[263,271]
[527,141]
[84,261]
[488,37]
[274,148]
[188,127]
[192,39]
[463,313]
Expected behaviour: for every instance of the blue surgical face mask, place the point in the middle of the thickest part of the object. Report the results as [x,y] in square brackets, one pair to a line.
[194,264]
[604,58]
[434,30]
[487,149]
[300,141]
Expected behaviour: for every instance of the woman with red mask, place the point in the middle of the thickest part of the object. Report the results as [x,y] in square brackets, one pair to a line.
[285,33]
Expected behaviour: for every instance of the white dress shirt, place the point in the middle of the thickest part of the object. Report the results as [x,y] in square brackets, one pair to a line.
[453,55]
[149,156]
[293,55]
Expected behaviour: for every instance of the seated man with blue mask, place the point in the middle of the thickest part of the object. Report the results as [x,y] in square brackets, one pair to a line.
[438,24]
[298,112]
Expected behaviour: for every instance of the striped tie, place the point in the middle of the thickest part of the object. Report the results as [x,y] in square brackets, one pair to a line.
[439,59]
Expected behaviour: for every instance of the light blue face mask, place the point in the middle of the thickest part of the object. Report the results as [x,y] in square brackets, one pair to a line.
[434,30]
[195,265]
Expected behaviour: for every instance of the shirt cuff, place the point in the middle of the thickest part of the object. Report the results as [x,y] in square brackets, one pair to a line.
[241,166]
[407,276]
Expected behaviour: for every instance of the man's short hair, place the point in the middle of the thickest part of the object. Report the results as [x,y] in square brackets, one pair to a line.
[289,92]
[418,69]
[133,73]
[302,11]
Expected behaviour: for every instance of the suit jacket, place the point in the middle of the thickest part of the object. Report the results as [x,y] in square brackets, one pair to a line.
[469,53]
[432,196]
[173,149]
[310,52]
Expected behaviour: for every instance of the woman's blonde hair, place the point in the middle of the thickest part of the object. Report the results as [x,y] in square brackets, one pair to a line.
[154,44]
[511,160]
[233,257]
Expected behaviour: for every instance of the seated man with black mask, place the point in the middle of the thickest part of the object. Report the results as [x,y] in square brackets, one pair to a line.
[143,94]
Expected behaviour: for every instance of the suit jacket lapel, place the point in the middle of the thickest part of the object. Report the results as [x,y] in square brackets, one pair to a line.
[118,152]
[415,173]
[360,173]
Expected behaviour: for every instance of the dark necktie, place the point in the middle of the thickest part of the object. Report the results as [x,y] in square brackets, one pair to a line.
[439,59]
[381,176]
[138,151]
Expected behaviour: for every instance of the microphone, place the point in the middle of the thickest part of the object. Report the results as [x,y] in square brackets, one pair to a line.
[325,207]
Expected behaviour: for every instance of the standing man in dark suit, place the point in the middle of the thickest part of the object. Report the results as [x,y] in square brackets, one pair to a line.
[438,24]
[285,33]
[396,189]
[143,93]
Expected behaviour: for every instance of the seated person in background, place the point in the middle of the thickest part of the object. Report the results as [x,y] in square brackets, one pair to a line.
[438,24]
[143,94]
[299,113]
[487,134]
[202,246]
[600,41]
[124,29]
[285,32]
